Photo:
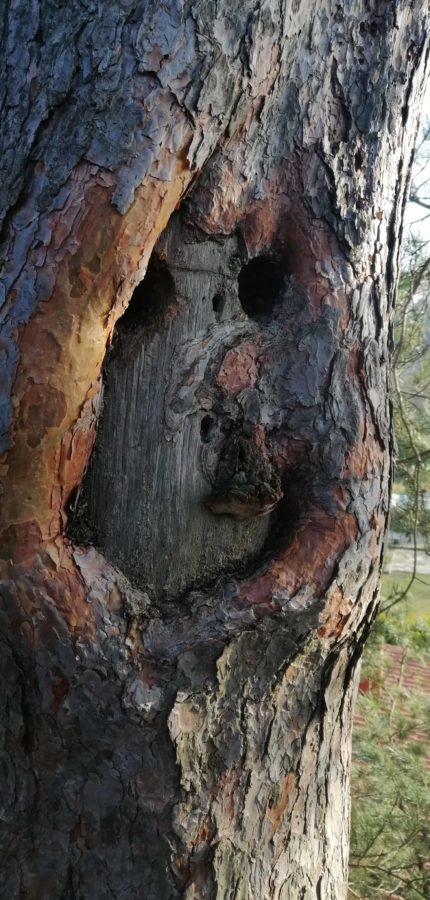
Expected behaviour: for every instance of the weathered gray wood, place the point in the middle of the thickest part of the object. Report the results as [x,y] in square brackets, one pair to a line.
[180,727]
[152,469]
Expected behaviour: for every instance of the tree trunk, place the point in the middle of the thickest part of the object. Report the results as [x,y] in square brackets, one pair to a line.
[181,625]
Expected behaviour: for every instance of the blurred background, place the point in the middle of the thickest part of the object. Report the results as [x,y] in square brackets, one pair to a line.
[390,842]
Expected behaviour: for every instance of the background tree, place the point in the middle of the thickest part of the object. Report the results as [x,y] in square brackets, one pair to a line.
[390,770]
[181,727]
[411,378]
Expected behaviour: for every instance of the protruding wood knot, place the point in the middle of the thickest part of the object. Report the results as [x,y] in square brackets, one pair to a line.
[247,484]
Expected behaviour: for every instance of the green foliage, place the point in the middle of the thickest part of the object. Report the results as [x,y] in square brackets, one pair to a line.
[390,841]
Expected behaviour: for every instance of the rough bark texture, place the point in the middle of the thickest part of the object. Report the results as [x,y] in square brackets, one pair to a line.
[178,661]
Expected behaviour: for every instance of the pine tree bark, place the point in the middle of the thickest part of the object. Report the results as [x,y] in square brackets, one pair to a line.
[184,608]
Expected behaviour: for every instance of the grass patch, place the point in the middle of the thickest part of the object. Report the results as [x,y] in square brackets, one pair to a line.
[399,487]
[417,604]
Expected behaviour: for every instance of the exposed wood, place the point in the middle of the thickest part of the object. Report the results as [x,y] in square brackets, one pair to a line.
[177,702]
[154,464]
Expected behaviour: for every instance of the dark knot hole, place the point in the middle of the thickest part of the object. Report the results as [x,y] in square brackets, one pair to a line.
[207,426]
[261,286]
[151,299]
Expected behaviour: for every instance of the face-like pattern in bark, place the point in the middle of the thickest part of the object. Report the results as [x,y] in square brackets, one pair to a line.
[221,374]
